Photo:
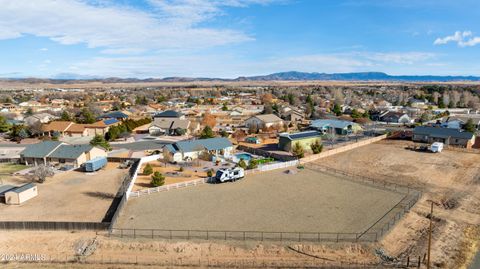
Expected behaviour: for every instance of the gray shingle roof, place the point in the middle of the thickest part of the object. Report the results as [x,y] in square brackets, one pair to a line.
[24,187]
[6,188]
[216,143]
[301,135]
[70,151]
[331,123]
[170,123]
[441,132]
[40,150]
[169,114]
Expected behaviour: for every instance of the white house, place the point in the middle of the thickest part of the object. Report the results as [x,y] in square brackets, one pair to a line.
[208,149]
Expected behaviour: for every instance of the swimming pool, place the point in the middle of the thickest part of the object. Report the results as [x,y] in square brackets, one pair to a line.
[243,156]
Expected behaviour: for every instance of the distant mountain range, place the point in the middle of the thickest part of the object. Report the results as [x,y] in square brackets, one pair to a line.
[282,76]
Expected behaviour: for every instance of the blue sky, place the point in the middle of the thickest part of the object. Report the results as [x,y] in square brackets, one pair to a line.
[230,38]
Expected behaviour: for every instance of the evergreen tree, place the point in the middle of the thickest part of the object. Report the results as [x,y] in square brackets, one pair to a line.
[148,170]
[207,132]
[157,179]
[100,141]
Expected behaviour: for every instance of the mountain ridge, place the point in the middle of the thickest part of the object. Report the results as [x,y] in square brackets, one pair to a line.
[279,76]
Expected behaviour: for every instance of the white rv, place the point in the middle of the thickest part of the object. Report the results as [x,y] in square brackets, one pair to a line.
[224,175]
[436,147]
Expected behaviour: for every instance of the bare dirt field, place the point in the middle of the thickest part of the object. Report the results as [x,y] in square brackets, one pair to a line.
[115,253]
[68,196]
[450,179]
[308,201]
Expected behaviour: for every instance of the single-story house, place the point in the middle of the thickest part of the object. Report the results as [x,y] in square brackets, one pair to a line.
[53,152]
[39,118]
[340,127]
[169,126]
[170,114]
[264,121]
[208,149]
[19,195]
[458,121]
[394,117]
[448,136]
[59,127]
[114,115]
[287,141]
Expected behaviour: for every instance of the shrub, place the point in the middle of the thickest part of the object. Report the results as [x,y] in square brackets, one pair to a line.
[210,173]
[157,179]
[252,164]
[316,147]
[180,169]
[148,170]
[298,150]
[242,164]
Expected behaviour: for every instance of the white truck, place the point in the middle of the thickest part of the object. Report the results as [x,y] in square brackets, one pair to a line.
[436,147]
[226,174]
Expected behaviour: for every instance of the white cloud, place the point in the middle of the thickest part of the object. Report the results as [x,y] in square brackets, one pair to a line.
[171,24]
[43,49]
[463,39]
[231,66]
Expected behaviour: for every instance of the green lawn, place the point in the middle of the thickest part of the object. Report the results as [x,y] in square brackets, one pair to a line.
[8,168]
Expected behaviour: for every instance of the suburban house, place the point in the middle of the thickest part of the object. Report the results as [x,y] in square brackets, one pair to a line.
[169,126]
[169,114]
[264,121]
[457,122]
[38,118]
[448,136]
[394,117]
[287,141]
[340,127]
[59,127]
[56,152]
[68,128]
[114,115]
[207,149]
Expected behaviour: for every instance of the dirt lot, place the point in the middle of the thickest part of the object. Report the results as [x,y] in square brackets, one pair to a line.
[143,181]
[275,201]
[61,246]
[450,178]
[68,196]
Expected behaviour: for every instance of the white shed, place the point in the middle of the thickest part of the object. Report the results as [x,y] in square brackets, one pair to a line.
[21,194]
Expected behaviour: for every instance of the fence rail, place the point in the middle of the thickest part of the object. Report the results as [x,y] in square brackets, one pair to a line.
[379,183]
[168,187]
[243,235]
[53,225]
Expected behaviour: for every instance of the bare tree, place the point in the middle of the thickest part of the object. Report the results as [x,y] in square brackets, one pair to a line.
[41,172]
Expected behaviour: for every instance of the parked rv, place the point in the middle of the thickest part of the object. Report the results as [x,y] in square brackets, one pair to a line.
[436,147]
[225,174]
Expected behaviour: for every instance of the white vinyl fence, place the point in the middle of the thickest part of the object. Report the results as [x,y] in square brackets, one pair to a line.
[168,187]
[273,166]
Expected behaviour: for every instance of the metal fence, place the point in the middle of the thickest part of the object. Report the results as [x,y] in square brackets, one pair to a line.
[387,221]
[243,235]
[375,182]
[53,225]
